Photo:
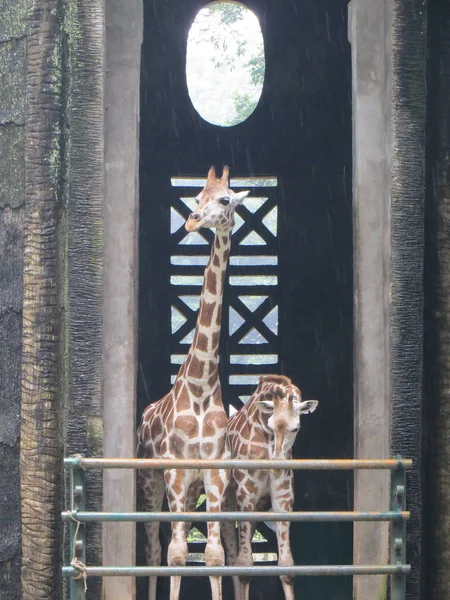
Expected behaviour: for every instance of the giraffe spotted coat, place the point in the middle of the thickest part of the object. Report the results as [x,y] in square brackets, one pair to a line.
[264,428]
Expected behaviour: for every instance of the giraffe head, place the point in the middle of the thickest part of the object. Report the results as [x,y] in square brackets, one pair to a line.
[216,204]
[281,405]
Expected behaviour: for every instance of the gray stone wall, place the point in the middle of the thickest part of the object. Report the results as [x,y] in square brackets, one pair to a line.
[13,23]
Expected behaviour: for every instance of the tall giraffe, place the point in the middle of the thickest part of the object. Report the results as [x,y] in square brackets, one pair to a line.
[264,428]
[190,421]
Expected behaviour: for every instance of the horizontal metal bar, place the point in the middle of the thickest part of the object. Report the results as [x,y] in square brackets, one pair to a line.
[255,571]
[204,517]
[296,464]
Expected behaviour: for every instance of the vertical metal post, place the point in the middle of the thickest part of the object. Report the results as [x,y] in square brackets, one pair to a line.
[77,532]
[398,531]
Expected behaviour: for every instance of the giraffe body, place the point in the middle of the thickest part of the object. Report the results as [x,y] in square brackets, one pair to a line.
[190,421]
[264,428]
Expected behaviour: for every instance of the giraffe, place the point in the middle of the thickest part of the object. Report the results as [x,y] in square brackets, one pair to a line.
[264,428]
[190,421]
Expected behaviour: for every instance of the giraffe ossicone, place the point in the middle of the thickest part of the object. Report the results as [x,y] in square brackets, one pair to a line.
[190,421]
[264,428]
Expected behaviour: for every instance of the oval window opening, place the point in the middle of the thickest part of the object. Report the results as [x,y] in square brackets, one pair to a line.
[225,63]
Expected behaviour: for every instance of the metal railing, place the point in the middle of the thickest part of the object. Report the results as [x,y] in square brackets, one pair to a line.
[77,516]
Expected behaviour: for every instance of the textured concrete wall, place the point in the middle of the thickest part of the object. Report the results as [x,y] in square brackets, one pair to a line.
[123,53]
[389,96]
[369,33]
[13,23]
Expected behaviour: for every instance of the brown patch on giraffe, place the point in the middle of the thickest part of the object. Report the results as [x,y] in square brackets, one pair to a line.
[165,410]
[177,387]
[197,390]
[226,254]
[251,487]
[169,420]
[225,239]
[239,475]
[193,450]
[241,496]
[284,485]
[157,428]
[214,420]
[184,402]
[217,242]
[187,424]
[244,430]
[176,444]
[202,342]
[219,316]
[207,447]
[216,479]
[258,452]
[210,366]
[177,486]
[215,337]
[216,261]
[283,535]
[196,409]
[211,283]
[258,436]
[196,368]
[212,379]
[286,496]
[163,448]
[207,311]
[213,498]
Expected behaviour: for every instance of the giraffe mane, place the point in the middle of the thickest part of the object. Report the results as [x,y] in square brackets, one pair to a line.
[277,380]
[281,379]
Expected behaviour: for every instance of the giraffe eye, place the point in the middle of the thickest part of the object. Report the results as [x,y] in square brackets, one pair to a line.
[224,201]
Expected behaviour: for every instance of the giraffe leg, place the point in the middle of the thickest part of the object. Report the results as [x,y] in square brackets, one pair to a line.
[246,502]
[151,490]
[229,536]
[216,482]
[282,495]
[177,486]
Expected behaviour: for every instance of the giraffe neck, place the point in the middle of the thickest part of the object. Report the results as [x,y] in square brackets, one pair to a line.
[202,359]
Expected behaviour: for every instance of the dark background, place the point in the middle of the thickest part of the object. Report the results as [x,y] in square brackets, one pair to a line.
[300,132]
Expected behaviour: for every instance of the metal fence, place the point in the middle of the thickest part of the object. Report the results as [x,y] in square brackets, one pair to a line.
[77,516]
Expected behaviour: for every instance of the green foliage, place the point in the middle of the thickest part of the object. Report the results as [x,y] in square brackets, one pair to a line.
[228,14]
[200,501]
[258,537]
[233,51]
[195,536]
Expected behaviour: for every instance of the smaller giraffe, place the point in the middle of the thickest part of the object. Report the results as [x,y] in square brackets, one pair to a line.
[264,428]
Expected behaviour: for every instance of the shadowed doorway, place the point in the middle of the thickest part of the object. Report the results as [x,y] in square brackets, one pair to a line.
[291,248]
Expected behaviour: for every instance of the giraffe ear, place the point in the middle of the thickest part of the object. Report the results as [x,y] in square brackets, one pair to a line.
[237,198]
[211,174]
[265,406]
[225,175]
[309,406]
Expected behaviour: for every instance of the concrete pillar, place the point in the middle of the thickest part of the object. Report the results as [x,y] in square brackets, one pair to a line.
[124,22]
[370,37]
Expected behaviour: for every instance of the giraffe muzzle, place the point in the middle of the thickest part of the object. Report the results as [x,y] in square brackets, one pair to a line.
[194,222]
